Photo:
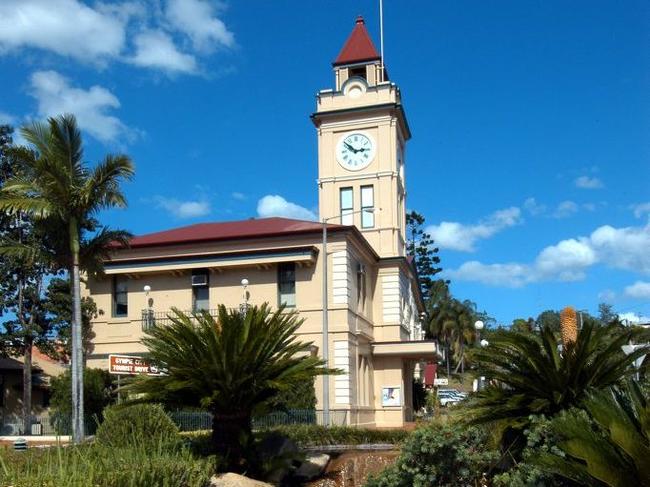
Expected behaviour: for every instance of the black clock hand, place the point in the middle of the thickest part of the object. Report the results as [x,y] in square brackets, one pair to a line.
[350,147]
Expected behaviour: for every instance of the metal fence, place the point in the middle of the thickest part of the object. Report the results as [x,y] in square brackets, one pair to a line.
[60,425]
[201,420]
[44,425]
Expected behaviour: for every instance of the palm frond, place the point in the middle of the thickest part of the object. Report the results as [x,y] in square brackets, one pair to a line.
[232,363]
[608,444]
[102,187]
[529,375]
[94,251]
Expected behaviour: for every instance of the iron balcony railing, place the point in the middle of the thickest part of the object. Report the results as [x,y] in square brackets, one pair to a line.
[152,318]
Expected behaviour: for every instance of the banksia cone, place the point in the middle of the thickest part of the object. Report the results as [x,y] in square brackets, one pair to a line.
[568,325]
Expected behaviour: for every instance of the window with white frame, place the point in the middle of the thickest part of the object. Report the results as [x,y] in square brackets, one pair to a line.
[120,296]
[287,284]
[367,206]
[200,290]
[347,206]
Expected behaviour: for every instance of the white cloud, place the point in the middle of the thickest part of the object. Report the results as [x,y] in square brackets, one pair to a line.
[588,182]
[638,290]
[155,49]
[641,209]
[502,275]
[275,205]
[238,196]
[565,261]
[589,206]
[632,317]
[623,248]
[565,209]
[66,27]
[195,18]
[533,207]
[619,248]
[6,119]
[136,32]
[55,96]
[461,237]
[183,209]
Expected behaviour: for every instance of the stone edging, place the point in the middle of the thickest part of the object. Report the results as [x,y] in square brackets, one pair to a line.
[362,447]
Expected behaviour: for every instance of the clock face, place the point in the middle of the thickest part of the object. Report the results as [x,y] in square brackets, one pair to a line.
[355,151]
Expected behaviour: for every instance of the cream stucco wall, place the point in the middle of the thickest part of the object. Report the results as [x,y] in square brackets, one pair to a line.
[353,321]
[336,116]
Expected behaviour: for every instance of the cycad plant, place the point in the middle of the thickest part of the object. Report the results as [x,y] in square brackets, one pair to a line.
[232,365]
[529,375]
[568,325]
[609,445]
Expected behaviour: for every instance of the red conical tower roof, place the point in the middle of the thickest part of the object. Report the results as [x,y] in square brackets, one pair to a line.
[358,47]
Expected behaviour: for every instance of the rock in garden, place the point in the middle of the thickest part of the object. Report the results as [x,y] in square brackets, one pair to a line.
[313,466]
[234,480]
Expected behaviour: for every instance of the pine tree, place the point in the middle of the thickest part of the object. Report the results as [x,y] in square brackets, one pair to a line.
[419,245]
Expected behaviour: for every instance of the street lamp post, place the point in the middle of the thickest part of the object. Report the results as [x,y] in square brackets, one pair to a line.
[243,308]
[478,326]
[326,345]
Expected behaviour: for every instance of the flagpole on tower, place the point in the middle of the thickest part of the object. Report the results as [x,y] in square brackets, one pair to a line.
[381,35]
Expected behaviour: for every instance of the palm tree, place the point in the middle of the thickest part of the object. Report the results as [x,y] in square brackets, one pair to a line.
[232,366]
[461,331]
[530,376]
[441,318]
[610,445]
[55,186]
[452,322]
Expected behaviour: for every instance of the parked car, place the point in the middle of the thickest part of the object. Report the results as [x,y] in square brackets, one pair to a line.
[449,397]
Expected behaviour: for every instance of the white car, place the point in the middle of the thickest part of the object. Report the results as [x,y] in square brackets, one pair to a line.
[450,396]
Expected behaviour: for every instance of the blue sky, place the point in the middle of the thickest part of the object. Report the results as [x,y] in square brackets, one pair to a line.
[530,156]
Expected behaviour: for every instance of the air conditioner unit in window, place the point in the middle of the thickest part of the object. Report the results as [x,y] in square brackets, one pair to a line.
[361,268]
[199,279]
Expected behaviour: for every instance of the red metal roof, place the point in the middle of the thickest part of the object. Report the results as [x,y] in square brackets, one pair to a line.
[358,47]
[262,227]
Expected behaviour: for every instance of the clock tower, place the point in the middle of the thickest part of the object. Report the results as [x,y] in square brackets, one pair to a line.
[362,134]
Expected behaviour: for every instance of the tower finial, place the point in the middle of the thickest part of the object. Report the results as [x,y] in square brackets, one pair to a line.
[360,19]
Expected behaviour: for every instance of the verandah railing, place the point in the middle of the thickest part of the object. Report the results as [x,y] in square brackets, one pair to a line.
[152,318]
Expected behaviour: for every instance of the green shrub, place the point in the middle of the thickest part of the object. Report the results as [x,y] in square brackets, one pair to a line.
[300,395]
[105,466]
[314,435]
[139,424]
[539,439]
[98,394]
[439,454]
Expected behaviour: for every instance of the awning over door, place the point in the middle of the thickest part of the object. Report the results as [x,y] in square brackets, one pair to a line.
[416,350]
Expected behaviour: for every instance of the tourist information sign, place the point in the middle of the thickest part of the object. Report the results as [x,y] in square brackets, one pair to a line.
[128,365]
